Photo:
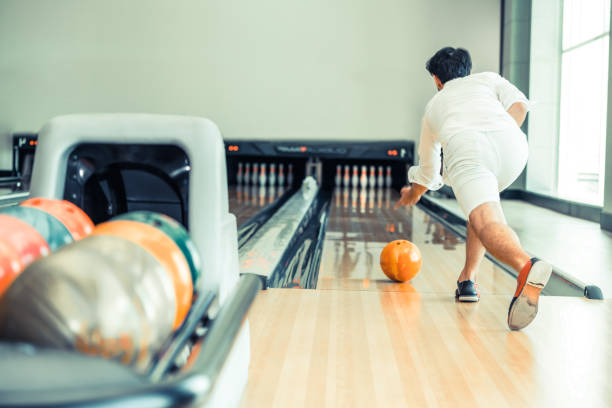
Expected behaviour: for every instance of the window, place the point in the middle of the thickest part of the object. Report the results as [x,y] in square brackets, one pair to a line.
[583,100]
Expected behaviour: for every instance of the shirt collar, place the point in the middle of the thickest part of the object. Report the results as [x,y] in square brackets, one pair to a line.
[454,81]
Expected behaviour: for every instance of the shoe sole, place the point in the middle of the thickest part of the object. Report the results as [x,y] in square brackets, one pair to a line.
[468,298]
[524,307]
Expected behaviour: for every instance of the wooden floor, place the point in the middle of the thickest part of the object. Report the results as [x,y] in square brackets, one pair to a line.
[345,348]
[360,340]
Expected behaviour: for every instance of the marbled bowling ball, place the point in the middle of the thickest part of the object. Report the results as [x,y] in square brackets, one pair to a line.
[161,246]
[50,228]
[71,216]
[400,260]
[103,296]
[174,230]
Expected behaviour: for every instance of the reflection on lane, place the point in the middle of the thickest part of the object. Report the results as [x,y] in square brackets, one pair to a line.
[441,235]
[246,201]
[363,221]
[366,215]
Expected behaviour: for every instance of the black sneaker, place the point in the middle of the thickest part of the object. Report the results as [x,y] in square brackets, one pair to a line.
[467,291]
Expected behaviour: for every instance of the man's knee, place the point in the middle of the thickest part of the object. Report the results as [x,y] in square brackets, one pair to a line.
[484,215]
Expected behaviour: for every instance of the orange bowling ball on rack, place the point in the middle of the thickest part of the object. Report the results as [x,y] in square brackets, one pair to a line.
[400,260]
[74,219]
[164,250]
[20,245]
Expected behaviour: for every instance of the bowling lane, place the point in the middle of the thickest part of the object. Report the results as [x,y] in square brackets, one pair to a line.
[361,340]
[339,348]
[363,221]
[247,200]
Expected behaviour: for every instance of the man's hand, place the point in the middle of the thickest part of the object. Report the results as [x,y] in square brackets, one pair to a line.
[410,195]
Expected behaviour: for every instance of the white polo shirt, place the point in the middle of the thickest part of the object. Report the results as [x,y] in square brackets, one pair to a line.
[477,102]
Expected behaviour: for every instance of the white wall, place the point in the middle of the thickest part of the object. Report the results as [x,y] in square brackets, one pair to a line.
[277,69]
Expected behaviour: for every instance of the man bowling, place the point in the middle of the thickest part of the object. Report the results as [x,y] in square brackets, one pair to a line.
[475,119]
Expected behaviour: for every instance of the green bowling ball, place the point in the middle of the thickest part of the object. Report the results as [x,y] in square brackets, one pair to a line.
[50,228]
[175,231]
[102,296]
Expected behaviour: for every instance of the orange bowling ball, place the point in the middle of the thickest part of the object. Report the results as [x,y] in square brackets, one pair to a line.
[400,260]
[74,219]
[165,250]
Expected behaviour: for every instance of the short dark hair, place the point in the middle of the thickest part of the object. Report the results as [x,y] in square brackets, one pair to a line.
[450,63]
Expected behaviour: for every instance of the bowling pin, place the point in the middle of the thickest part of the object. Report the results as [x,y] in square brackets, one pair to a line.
[239,174]
[347,176]
[381,180]
[254,194]
[272,176]
[387,198]
[271,193]
[362,200]
[372,177]
[345,196]
[388,180]
[239,193]
[255,174]
[281,174]
[290,175]
[355,180]
[247,194]
[371,196]
[262,195]
[247,174]
[262,174]
[338,179]
[363,180]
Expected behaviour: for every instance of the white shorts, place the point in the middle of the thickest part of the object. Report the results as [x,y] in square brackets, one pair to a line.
[479,165]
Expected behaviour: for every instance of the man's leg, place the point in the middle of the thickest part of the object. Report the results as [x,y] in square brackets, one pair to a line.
[500,240]
[489,224]
[474,253]
[467,289]
[477,176]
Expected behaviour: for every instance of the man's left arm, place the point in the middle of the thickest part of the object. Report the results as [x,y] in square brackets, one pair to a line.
[518,111]
[514,101]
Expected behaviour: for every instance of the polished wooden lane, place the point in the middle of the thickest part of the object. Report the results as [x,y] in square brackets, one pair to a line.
[361,223]
[346,348]
[361,340]
[247,200]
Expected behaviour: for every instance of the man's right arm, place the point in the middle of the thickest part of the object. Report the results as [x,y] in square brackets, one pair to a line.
[427,173]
